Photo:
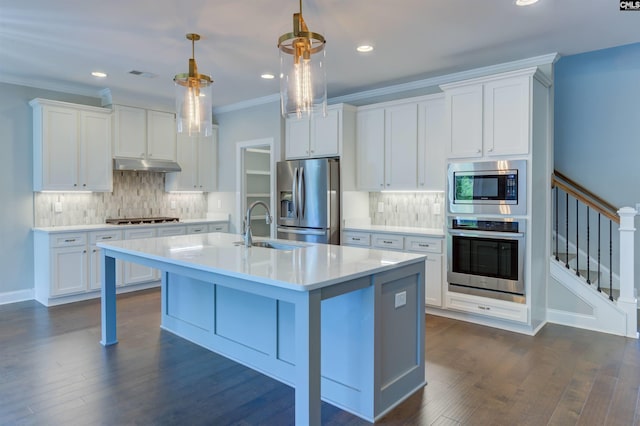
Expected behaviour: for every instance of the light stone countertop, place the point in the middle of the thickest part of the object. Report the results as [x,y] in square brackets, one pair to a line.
[309,266]
[107,226]
[405,230]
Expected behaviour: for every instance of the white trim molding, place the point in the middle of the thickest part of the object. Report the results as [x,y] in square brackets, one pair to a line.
[16,296]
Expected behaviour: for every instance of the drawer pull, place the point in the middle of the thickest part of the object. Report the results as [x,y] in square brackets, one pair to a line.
[70,240]
[423,245]
[387,242]
[107,238]
[355,238]
[484,308]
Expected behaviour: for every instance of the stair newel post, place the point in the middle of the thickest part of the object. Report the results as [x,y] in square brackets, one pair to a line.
[577,238]
[627,299]
[556,209]
[566,233]
[588,246]
[599,243]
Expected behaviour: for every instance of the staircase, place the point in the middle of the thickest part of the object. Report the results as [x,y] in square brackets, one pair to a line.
[592,267]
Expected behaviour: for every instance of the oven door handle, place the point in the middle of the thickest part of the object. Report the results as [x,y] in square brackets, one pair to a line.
[502,235]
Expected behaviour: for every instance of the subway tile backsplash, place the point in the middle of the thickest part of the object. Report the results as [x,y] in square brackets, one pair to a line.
[135,194]
[415,209]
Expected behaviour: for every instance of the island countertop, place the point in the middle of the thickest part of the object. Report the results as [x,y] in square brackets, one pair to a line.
[307,267]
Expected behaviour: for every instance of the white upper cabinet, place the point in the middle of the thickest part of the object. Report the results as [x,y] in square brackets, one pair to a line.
[197,157]
[490,116]
[370,150]
[431,147]
[144,134]
[319,136]
[400,145]
[72,147]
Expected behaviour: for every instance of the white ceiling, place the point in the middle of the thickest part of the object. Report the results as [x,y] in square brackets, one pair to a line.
[56,44]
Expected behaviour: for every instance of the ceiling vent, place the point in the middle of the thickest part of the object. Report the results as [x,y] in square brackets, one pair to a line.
[143,74]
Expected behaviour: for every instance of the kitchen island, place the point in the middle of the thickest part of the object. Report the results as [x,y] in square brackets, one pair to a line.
[339,323]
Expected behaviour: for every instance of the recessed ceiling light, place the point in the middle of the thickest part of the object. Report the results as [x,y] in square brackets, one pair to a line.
[525,2]
[99,74]
[268,76]
[364,48]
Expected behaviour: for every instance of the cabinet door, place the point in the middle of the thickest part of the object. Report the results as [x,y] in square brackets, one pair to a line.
[60,148]
[161,135]
[129,132]
[297,138]
[325,135]
[207,162]
[463,121]
[507,116]
[431,145]
[401,147]
[187,179]
[433,280]
[370,150]
[133,272]
[69,270]
[95,151]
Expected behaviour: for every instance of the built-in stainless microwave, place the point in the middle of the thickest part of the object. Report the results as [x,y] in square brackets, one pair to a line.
[488,187]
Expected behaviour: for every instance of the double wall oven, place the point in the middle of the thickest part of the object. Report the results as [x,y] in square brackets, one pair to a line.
[486,233]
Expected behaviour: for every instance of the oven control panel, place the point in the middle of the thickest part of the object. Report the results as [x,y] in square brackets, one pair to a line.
[473,224]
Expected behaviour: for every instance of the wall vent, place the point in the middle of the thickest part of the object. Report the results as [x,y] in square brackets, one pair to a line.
[146,74]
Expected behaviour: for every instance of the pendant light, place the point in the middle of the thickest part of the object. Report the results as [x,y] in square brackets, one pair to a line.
[193,98]
[303,85]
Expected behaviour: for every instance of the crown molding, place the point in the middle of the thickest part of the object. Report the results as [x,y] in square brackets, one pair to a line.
[72,89]
[247,104]
[535,61]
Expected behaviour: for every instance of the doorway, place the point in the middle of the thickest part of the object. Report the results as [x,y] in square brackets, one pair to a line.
[255,181]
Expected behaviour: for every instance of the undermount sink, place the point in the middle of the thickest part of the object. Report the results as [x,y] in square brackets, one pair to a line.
[271,244]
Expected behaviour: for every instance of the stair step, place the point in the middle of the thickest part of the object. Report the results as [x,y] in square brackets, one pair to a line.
[566,257]
[616,292]
[593,275]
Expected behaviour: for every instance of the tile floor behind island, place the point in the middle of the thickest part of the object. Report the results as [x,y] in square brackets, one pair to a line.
[53,371]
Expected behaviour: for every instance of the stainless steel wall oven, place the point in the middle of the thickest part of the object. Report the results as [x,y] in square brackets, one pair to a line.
[486,257]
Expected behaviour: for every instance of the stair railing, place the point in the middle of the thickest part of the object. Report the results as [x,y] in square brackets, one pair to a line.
[586,202]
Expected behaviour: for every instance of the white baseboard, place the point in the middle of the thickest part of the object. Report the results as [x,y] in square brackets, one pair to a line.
[16,296]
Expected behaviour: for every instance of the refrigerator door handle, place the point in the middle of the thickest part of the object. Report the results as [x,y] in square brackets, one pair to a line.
[301,231]
[294,192]
[301,193]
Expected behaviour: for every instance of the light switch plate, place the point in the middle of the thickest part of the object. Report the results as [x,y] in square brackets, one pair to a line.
[401,299]
[57,207]
[380,207]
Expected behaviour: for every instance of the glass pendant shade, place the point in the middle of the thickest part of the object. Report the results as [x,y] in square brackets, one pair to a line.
[303,82]
[193,100]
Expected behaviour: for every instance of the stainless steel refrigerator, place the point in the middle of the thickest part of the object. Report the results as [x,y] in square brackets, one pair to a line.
[309,200]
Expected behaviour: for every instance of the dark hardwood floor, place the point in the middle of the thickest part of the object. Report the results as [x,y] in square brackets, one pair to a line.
[53,371]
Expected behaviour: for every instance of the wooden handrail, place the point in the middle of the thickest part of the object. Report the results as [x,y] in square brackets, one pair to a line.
[585,196]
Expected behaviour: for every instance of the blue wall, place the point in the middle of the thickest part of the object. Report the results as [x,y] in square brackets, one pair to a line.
[597,122]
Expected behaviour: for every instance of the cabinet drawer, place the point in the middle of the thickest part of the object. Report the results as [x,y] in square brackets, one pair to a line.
[197,229]
[132,234]
[104,236]
[423,244]
[66,240]
[356,239]
[167,231]
[219,227]
[387,241]
[488,307]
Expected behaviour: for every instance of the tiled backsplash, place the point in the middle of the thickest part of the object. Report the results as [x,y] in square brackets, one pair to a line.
[135,194]
[417,209]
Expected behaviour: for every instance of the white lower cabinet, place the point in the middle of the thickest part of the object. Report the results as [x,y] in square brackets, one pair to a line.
[431,247]
[488,307]
[67,265]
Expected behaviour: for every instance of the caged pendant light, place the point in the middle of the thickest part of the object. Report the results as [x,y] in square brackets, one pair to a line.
[303,85]
[193,98]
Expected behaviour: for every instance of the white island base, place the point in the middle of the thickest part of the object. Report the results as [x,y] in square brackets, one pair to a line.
[354,338]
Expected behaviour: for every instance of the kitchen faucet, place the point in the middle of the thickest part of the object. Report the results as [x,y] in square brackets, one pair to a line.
[248,240]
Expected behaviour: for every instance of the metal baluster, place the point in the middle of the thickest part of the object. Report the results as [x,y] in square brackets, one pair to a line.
[577,246]
[599,243]
[610,262]
[588,255]
[566,234]
[556,194]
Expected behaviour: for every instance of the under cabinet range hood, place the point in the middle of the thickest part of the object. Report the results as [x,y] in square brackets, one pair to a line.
[163,166]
